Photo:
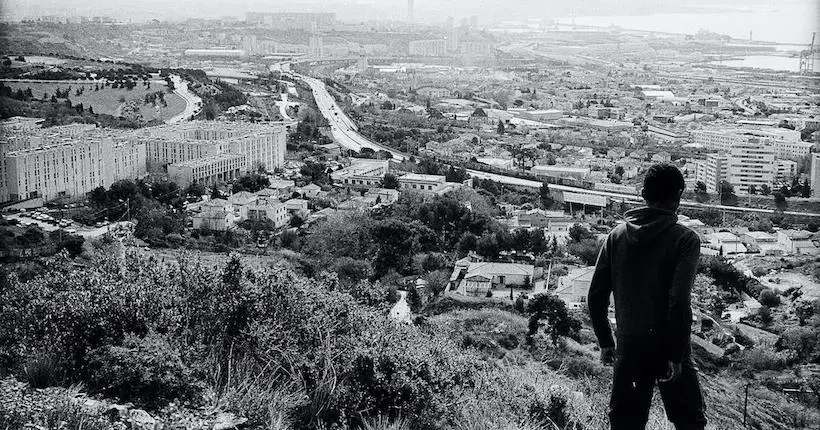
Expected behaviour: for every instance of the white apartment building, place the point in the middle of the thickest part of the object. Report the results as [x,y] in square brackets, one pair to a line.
[751,164]
[814,175]
[428,48]
[785,170]
[786,143]
[209,170]
[69,165]
[263,145]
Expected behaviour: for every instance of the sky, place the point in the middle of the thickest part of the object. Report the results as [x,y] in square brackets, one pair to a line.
[795,19]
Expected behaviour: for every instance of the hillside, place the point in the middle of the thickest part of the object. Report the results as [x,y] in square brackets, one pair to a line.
[188,341]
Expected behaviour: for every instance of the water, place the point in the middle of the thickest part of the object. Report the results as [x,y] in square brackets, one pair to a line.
[788,22]
[772,62]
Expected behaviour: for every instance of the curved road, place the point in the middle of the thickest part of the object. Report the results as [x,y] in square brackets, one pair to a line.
[345,132]
[192,102]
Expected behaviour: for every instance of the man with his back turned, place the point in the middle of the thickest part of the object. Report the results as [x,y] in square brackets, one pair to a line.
[649,264]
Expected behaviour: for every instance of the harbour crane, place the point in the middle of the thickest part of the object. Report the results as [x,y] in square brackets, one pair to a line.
[807,58]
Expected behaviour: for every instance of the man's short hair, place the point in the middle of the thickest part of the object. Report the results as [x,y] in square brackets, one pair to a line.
[663,182]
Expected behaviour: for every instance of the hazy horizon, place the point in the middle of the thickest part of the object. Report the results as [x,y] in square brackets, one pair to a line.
[791,21]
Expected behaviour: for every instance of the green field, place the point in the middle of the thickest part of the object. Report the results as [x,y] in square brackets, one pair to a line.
[107,100]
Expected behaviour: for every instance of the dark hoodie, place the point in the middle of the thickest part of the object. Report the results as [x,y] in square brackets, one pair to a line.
[649,264]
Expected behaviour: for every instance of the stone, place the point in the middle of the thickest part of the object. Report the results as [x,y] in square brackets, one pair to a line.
[116,412]
[227,421]
[141,420]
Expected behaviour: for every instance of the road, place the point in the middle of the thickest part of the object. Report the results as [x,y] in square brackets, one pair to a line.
[344,130]
[192,102]
[401,310]
[346,134]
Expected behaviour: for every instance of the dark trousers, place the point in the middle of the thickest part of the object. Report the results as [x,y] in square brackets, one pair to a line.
[636,371]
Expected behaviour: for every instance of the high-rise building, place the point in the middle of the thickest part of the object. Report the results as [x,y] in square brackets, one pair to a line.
[409,10]
[428,48]
[814,175]
[712,171]
[751,163]
[316,47]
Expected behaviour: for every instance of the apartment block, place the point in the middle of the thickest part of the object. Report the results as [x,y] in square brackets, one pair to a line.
[814,175]
[428,48]
[209,170]
[751,164]
[66,161]
[262,145]
[712,171]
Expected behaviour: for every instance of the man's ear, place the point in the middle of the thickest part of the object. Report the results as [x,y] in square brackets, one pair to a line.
[643,193]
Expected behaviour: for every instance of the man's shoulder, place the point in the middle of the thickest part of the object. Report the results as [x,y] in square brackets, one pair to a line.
[685,233]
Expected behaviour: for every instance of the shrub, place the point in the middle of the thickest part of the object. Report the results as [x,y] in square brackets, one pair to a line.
[765,358]
[147,370]
[41,370]
[769,298]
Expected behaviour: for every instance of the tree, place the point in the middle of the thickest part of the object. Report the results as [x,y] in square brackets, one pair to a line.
[487,246]
[578,232]
[765,190]
[500,129]
[553,310]
[806,190]
[752,189]
[390,181]
[769,298]
[545,198]
[804,310]
[251,183]
[727,194]
[780,201]
[619,170]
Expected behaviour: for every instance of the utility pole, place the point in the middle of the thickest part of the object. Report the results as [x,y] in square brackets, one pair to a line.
[745,404]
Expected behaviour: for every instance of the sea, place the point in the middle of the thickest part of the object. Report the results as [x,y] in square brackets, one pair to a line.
[789,23]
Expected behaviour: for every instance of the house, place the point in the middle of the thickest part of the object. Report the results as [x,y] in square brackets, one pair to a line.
[296,205]
[361,173]
[726,243]
[278,189]
[269,209]
[310,191]
[218,220]
[480,277]
[638,154]
[216,205]
[797,242]
[616,153]
[574,287]
[240,202]
[762,242]
[661,157]
[385,195]
[427,184]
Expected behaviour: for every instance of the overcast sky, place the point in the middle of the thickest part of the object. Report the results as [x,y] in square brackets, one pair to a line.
[794,18]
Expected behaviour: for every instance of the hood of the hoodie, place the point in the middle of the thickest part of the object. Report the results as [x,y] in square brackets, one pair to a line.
[645,224]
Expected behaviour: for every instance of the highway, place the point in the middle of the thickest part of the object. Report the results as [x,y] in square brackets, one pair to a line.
[192,102]
[344,130]
[346,134]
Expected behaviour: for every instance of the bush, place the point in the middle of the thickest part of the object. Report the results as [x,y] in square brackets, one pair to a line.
[769,298]
[765,358]
[146,370]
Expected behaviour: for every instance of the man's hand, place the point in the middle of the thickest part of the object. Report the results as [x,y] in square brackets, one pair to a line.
[608,356]
[673,371]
